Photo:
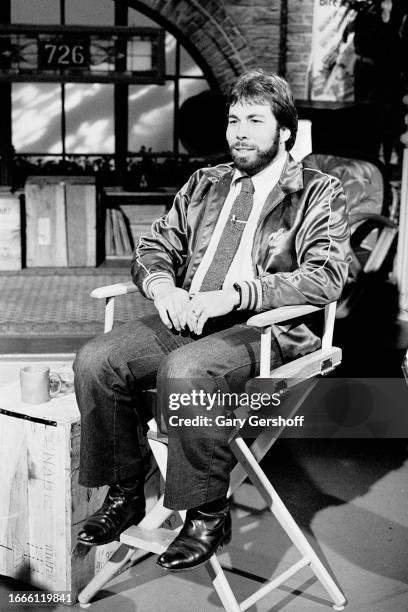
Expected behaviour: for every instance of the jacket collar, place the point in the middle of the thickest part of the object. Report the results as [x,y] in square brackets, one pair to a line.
[291,179]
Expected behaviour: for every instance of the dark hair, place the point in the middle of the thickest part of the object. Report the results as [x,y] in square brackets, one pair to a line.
[259,87]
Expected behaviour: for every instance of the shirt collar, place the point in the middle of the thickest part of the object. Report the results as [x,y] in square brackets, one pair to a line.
[266,177]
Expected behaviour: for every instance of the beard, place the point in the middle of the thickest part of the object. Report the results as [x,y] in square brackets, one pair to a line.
[253,164]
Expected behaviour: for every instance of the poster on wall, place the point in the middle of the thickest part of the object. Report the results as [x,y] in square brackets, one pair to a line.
[332,59]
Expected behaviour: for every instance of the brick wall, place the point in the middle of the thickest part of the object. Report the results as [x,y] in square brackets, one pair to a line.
[233,35]
[299,44]
[230,35]
[259,21]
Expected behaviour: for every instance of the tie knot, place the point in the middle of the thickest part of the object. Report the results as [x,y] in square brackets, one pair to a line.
[247,184]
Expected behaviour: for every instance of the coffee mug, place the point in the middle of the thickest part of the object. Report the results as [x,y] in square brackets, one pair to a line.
[35,383]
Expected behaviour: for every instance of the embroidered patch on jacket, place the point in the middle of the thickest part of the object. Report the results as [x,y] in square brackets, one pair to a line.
[276,237]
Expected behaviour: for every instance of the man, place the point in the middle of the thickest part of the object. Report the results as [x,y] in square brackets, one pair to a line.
[257,234]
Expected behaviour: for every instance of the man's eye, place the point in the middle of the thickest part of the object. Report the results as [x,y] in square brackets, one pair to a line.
[231,121]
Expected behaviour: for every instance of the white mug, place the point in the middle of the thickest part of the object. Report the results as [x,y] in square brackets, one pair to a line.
[35,384]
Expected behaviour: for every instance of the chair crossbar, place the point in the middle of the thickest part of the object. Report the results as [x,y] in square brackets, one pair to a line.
[285,519]
[157,437]
[264,442]
[273,584]
[152,540]
[320,362]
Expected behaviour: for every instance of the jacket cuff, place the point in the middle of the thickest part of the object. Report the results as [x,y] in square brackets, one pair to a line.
[154,279]
[251,295]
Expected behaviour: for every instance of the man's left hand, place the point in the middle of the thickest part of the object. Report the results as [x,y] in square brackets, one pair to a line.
[209,304]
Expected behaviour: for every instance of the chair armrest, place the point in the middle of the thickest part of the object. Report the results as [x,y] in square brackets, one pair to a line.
[113,290]
[284,313]
[381,220]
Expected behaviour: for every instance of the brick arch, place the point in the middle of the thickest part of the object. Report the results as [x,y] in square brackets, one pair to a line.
[208,33]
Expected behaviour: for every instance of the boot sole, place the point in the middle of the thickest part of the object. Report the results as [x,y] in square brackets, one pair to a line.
[225,541]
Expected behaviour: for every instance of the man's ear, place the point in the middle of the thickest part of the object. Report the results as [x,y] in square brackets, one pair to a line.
[284,134]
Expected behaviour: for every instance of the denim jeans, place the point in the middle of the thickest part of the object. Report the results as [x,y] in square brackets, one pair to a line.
[113,370]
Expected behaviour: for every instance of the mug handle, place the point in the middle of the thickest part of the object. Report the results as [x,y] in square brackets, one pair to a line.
[55,376]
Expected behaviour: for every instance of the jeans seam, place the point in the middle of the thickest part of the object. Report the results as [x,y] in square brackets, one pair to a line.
[115,468]
[209,463]
[126,363]
[241,365]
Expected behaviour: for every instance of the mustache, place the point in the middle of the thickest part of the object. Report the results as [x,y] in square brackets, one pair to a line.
[243,147]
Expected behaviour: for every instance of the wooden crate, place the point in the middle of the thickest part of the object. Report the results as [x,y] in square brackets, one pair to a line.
[42,506]
[61,221]
[10,230]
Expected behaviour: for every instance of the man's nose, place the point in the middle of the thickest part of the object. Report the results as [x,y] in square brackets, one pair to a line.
[242,130]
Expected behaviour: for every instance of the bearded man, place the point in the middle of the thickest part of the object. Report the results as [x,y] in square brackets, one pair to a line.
[259,233]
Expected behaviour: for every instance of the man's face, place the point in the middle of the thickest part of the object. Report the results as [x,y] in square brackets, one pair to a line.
[254,136]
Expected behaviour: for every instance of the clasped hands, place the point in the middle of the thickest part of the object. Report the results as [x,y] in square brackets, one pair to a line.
[178,309]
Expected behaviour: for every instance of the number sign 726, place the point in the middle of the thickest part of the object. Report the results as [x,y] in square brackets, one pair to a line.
[57,54]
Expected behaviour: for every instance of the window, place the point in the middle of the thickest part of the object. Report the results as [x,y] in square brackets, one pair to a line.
[78,118]
[151,117]
[35,11]
[89,118]
[36,117]
[90,12]
[153,109]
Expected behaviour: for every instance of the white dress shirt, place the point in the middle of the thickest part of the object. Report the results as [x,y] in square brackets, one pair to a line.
[241,267]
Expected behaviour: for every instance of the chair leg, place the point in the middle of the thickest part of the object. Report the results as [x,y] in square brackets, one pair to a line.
[119,558]
[159,450]
[126,555]
[221,585]
[123,555]
[286,520]
[265,440]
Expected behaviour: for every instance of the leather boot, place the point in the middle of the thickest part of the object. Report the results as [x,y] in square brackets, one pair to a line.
[124,505]
[202,533]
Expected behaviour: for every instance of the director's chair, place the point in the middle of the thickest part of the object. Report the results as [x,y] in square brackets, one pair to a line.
[150,536]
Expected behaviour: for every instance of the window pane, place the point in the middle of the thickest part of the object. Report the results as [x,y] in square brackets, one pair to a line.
[151,110]
[191,87]
[188,67]
[35,11]
[170,48]
[139,55]
[137,19]
[89,118]
[36,117]
[90,12]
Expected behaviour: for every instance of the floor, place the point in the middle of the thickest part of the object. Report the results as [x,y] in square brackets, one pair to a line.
[350,498]
[348,495]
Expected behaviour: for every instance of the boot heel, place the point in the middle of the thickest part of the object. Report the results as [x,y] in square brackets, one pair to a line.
[227,538]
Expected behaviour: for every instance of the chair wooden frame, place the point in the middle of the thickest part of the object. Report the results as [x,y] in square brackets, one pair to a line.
[150,536]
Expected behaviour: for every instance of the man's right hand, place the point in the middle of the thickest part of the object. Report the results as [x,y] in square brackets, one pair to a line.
[171,303]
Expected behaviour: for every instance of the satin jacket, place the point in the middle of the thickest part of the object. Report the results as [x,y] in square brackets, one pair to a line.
[300,252]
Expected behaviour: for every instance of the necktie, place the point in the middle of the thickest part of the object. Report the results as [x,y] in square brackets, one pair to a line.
[230,237]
